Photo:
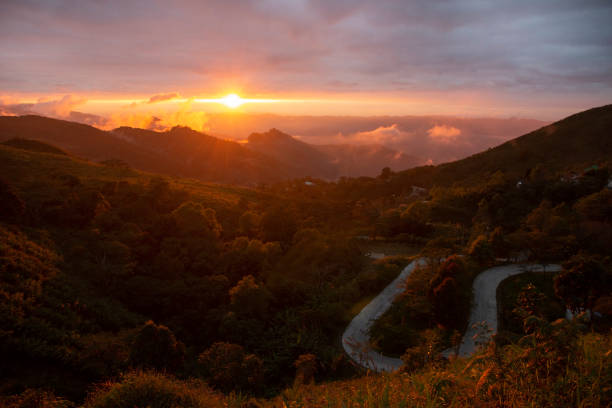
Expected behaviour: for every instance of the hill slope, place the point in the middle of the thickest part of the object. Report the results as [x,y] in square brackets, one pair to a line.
[180,151]
[575,142]
[303,157]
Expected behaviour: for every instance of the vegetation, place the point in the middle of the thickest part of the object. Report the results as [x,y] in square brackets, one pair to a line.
[161,291]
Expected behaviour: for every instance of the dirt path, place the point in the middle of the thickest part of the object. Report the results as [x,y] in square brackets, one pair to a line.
[356,340]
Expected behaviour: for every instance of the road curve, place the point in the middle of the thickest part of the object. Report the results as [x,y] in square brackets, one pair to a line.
[484,303]
[356,339]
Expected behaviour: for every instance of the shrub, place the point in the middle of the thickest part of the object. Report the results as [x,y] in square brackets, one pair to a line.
[152,390]
[156,347]
[228,366]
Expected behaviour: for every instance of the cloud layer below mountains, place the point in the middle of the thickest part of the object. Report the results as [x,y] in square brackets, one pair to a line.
[432,138]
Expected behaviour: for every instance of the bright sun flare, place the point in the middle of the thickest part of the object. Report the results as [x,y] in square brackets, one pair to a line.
[232,101]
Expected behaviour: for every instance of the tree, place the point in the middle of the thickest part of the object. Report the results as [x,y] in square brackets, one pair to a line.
[193,219]
[529,302]
[443,299]
[156,347]
[249,223]
[305,368]
[385,173]
[278,224]
[249,298]
[481,250]
[11,206]
[582,281]
[227,366]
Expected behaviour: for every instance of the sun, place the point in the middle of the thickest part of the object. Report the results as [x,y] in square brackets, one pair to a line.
[232,101]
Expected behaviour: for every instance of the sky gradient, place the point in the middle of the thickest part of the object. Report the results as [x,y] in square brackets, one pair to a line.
[542,60]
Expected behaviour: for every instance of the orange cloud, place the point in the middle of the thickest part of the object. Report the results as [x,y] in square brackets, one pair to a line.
[443,133]
[157,120]
[386,135]
[57,108]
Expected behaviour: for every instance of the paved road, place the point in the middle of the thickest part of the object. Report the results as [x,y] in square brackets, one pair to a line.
[355,339]
[484,304]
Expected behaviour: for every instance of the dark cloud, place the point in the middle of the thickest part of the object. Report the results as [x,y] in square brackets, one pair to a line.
[523,51]
[163,97]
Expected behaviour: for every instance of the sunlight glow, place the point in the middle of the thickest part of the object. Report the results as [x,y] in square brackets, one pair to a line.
[232,101]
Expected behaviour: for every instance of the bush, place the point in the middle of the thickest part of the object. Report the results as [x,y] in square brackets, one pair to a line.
[156,347]
[33,398]
[228,366]
[152,390]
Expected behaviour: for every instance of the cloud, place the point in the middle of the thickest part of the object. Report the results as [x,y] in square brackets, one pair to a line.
[443,133]
[385,135]
[159,120]
[56,108]
[163,97]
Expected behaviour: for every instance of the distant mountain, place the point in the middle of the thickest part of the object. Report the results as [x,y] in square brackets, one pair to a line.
[436,137]
[305,159]
[573,143]
[329,161]
[81,140]
[267,157]
[179,151]
[206,157]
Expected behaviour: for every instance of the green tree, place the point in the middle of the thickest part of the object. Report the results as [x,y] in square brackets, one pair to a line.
[582,281]
[248,298]
[278,224]
[480,250]
[193,219]
[11,205]
[156,347]
[227,366]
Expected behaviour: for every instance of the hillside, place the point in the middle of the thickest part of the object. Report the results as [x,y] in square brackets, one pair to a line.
[573,143]
[177,152]
[206,157]
[306,159]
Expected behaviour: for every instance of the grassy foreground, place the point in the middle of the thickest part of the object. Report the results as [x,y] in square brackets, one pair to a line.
[542,374]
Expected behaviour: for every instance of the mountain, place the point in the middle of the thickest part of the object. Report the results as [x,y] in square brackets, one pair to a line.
[573,143]
[206,157]
[81,140]
[329,161]
[304,158]
[267,157]
[178,152]
[436,137]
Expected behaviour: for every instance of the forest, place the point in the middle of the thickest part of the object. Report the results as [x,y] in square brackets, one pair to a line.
[118,285]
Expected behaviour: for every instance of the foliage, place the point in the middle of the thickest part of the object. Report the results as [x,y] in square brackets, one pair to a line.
[156,347]
[227,366]
[150,389]
[583,280]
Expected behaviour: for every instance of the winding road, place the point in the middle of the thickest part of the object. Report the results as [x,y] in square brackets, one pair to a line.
[356,339]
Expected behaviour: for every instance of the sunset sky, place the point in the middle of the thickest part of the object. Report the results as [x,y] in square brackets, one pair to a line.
[129,59]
